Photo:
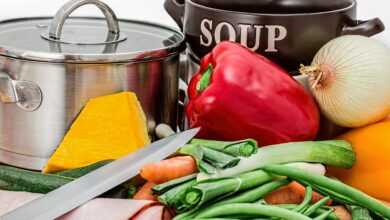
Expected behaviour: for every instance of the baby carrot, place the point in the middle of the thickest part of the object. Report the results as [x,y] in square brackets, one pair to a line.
[169,169]
[291,194]
[145,192]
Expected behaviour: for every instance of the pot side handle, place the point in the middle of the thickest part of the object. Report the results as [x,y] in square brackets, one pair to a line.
[366,28]
[7,89]
[176,10]
[25,94]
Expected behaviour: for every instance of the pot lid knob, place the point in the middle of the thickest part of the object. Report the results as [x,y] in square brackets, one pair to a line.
[55,29]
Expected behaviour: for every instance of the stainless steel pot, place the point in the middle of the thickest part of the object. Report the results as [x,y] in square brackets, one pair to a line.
[49,70]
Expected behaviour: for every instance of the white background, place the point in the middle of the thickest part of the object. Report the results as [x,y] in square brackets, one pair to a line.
[152,10]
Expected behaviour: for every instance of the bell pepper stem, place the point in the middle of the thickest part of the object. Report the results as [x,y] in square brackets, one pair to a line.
[204,81]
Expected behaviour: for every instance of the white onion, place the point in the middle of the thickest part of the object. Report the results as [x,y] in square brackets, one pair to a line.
[164,130]
[350,79]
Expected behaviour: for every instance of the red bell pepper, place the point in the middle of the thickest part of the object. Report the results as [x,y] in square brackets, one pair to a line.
[239,94]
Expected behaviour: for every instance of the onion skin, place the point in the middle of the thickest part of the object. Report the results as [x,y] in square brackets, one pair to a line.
[350,79]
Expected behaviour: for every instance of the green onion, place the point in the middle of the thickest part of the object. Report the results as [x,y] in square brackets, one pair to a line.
[193,150]
[164,187]
[172,198]
[359,213]
[207,159]
[206,167]
[242,148]
[355,195]
[197,153]
[206,191]
[338,143]
[252,210]
[218,159]
[332,153]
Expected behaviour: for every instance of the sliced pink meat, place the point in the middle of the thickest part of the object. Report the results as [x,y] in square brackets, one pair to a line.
[103,209]
[153,212]
[96,209]
[12,200]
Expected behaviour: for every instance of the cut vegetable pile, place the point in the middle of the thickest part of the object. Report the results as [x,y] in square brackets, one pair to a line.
[242,187]
[236,94]
[257,155]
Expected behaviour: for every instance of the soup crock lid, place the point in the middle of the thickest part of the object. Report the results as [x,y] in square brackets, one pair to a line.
[87,39]
[277,6]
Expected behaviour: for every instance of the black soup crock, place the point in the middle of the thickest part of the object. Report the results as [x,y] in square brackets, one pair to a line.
[288,32]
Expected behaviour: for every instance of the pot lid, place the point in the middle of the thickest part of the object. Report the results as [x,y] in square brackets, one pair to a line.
[87,39]
[277,6]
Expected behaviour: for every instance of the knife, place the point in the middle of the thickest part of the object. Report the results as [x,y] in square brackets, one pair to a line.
[85,188]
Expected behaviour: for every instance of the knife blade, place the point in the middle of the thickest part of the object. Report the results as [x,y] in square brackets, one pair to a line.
[85,188]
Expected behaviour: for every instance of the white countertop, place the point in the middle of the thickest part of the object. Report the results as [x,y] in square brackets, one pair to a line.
[152,10]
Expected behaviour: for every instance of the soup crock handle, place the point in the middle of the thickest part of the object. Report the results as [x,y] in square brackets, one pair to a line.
[365,28]
[27,95]
[176,10]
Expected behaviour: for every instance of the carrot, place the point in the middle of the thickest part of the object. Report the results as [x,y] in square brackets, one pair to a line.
[145,192]
[169,169]
[342,213]
[291,194]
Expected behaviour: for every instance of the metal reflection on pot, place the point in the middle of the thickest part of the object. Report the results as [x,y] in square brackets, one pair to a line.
[50,68]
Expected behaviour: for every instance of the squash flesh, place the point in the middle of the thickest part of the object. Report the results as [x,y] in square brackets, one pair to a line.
[108,128]
[371,173]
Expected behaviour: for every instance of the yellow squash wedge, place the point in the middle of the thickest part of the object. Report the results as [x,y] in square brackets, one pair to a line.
[371,172]
[109,127]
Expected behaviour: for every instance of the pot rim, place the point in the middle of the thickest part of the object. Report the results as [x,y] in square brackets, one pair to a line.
[57,57]
[274,14]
